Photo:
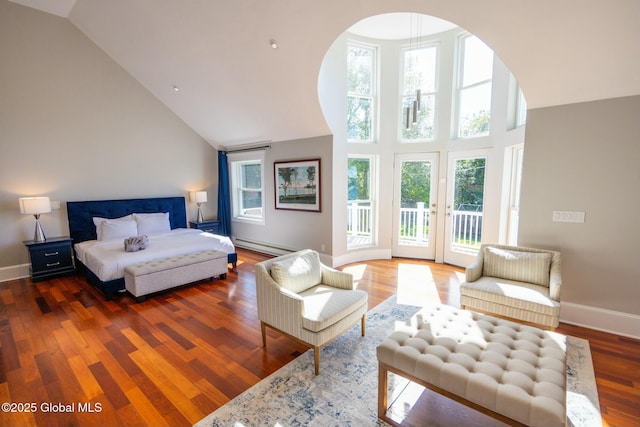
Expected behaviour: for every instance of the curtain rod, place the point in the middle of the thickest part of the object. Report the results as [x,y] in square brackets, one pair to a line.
[252,148]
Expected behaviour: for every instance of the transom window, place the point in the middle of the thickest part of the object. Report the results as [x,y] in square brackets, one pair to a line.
[361,83]
[474,87]
[417,115]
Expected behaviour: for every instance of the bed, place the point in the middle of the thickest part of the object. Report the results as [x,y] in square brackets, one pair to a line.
[103,260]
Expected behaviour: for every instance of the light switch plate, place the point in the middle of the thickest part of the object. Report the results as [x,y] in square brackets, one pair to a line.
[568,216]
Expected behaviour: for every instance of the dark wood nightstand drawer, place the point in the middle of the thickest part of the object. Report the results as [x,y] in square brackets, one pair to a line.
[209,226]
[50,258]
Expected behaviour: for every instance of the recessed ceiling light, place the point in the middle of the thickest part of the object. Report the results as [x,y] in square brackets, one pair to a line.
[273,44]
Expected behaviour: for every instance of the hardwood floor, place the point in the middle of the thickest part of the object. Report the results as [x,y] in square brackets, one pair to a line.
[68,357]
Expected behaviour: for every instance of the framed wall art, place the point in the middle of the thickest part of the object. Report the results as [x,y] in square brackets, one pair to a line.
[297,185]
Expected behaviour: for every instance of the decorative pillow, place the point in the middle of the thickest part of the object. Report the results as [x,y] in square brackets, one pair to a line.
[136,243]
[97,221]
[299,273]
[152,222]
[528,267]
[117,229]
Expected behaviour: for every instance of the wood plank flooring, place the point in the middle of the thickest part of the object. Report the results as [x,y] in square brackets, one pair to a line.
[70,358]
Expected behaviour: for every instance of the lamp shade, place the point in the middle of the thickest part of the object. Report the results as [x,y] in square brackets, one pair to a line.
[198,196]
[34,205]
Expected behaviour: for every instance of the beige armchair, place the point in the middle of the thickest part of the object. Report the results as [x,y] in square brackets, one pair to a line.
[515,282]
[307,301]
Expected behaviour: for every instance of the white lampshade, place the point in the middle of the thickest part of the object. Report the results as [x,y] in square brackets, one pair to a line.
[198,196]
[34,205]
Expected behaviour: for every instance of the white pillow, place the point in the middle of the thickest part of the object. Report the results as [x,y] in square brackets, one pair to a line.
[118,229]
[97,221]
[152,222]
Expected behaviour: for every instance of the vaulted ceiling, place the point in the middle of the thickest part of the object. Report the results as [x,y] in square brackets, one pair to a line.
[234,88]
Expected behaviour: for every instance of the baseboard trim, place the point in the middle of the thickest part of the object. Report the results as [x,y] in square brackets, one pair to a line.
[601,319]
[360,255]
[262,247]
[14,272]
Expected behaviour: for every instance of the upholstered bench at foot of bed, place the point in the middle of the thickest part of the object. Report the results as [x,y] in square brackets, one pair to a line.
[513,372]
[166,273]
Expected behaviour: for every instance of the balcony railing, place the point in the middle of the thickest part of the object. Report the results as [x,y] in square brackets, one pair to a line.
[466,230]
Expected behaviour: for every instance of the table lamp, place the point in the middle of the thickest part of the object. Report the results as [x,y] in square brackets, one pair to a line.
[35,206]
[199,197]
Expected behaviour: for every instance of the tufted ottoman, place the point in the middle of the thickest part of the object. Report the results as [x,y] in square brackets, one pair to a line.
[512,372]
[166,273]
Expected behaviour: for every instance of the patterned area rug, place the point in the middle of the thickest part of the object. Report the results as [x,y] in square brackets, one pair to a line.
[345,392]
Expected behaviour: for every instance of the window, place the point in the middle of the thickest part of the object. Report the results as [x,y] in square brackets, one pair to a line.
[419,87]
[361,206]
[474,87]
[247,195]
[517,155]
[516,105]
[521,118]
[361,82]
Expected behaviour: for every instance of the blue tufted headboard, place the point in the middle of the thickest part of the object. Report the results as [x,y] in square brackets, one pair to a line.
[80,214]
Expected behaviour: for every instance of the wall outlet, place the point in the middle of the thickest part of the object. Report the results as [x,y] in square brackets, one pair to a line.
[568,216]
[322,247]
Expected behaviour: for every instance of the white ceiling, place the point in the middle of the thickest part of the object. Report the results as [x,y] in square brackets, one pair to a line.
[58,7]
[236,89]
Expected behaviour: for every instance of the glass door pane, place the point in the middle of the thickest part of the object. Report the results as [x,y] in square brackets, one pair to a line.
[415,205]
[465,206]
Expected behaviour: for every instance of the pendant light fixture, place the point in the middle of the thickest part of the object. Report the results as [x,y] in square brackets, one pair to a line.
[415,106]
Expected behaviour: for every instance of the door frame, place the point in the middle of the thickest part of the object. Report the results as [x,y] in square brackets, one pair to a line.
[429,251]
[458,258]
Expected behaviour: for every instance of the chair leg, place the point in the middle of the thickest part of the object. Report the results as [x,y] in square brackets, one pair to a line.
[382,391]
[362,322]
[316,359]
[263,329]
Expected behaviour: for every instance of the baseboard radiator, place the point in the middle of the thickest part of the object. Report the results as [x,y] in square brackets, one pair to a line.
[262,247]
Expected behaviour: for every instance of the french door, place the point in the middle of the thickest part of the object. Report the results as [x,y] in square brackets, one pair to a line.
[415,205]
[464,206]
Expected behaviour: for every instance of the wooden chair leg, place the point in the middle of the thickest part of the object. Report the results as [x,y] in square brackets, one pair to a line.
[263,329]
[362,322]
[316,359]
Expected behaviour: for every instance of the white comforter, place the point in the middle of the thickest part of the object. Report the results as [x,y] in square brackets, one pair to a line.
[107,259]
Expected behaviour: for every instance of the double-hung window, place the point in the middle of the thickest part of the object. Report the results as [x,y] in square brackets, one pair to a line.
[475,72]
[247,180]
[361,85]
[361,221]
[418,94]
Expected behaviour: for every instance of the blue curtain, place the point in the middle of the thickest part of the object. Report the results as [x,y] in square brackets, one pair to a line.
[224,201]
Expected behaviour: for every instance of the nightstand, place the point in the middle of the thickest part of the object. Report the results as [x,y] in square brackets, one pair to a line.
[50,258]
[208,225]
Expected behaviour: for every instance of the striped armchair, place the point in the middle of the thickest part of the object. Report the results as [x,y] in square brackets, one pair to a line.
[515,282]
[300,297]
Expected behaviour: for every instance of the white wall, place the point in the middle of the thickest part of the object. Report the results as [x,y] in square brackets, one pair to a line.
[286,230]
[584,157]
[76,126]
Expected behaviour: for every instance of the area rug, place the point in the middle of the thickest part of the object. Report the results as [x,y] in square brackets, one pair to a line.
[345,392]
